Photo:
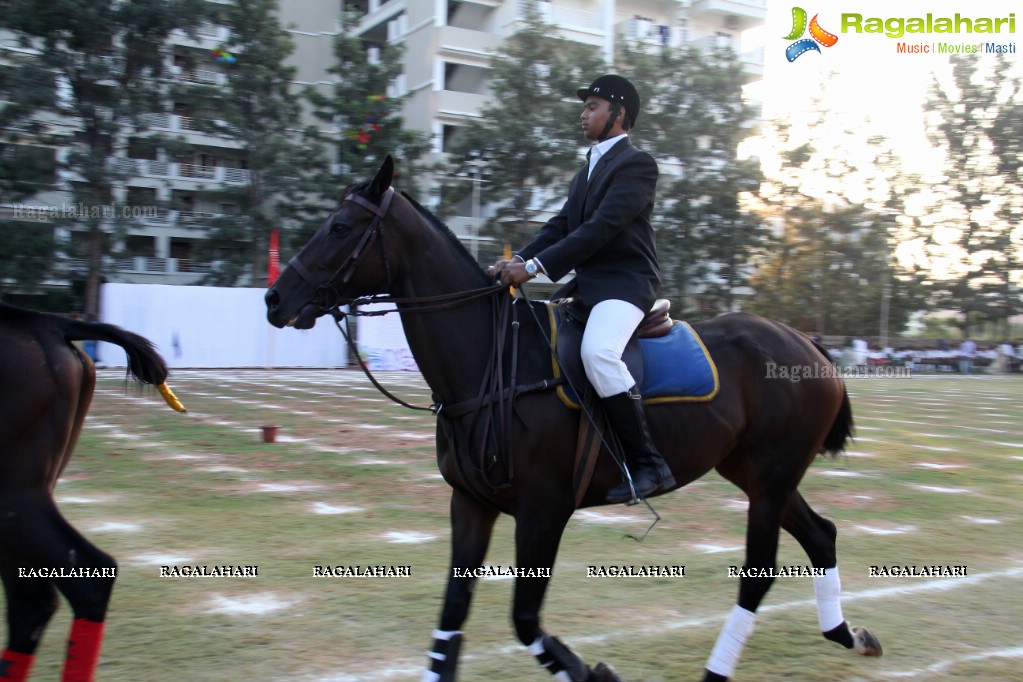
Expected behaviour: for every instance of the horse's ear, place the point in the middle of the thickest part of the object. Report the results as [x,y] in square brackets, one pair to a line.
[383,177]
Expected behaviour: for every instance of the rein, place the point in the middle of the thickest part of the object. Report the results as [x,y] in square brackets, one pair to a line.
[493,407]
[428,303]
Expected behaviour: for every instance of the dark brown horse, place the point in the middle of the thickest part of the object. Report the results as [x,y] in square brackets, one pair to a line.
[760,432]
[46,386]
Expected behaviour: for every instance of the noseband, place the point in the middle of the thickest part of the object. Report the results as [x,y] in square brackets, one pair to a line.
[327,296]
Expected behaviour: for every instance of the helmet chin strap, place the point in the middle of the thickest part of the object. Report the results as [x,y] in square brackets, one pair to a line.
[615,110]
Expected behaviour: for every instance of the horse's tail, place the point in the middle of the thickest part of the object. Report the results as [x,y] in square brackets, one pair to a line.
[842,428]
[144,362]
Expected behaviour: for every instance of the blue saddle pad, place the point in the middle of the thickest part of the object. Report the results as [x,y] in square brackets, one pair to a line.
[676,368]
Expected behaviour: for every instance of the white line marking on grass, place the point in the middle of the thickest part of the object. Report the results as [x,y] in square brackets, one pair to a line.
[324,508]
[597,517]
[935,448]
[625,633]
[72,499]
[982,521]
[1010,445]
[408,537]
[898,530]
[940,489]
[251,605]
[935,465]
[286,487]
[160,559]
[737,505]
[845,473]
[941,666]
[717,549]
[284,438]
[224,469]
[855,453]
[894,421]
[116,527]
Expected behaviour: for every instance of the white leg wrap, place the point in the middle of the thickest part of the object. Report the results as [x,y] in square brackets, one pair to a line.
[731,641]
[538,650]
[444,635]
[828,589]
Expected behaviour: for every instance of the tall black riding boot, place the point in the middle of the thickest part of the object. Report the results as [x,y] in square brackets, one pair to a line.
[650,473]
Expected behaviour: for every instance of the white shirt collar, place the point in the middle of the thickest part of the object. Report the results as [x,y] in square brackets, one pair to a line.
[598,150]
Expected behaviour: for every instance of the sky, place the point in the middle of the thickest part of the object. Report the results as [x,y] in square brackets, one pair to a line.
[865,79]
[868,85]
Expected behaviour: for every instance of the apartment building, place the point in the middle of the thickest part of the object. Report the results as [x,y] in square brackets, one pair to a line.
[444,82]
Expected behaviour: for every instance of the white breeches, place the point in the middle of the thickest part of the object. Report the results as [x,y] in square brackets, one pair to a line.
[611,325]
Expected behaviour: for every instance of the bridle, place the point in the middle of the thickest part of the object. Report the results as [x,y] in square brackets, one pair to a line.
[330,301]
[326,295]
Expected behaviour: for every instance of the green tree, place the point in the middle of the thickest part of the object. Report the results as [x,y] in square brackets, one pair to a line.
[96,67]
[258,108]
[693,122]
[529,137]
[976,235]
[366,121]
[829,263]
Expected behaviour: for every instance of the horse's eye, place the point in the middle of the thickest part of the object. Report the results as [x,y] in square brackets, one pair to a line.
[340,229]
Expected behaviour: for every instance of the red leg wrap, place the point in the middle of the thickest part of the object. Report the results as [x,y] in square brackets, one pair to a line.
[14,667]
[82,650]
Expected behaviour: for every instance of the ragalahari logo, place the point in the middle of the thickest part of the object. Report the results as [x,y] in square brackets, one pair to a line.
[803,45]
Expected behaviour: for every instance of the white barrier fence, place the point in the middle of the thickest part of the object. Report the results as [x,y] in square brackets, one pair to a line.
[214,327]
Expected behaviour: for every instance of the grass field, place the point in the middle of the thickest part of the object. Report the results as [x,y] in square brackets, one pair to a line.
[934,477]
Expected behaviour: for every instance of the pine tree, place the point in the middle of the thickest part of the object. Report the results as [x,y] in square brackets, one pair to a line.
[529,137]
[976,258]
[260,109]
[364,113]
[693,122]
[829,263]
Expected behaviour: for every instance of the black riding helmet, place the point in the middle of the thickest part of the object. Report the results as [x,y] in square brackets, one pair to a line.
[617,90]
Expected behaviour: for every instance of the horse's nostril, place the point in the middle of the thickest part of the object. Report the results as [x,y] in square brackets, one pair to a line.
[272,298]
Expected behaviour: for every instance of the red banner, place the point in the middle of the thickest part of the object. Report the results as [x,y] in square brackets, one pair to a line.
[274,262]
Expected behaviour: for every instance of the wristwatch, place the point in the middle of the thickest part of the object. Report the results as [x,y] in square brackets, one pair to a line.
[531,269]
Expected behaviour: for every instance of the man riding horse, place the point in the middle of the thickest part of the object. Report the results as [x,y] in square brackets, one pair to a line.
[603,231]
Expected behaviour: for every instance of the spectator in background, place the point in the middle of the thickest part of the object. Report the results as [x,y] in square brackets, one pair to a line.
[967,351]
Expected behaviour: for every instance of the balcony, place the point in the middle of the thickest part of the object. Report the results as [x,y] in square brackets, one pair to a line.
[144,265]
[189,125]
[144,168]
[571,18]
[206,36]
[199,76]
[738,15]
[652,34]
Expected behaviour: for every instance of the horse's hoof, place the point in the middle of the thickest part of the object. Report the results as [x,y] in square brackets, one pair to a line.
[603,673]
[864,643]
